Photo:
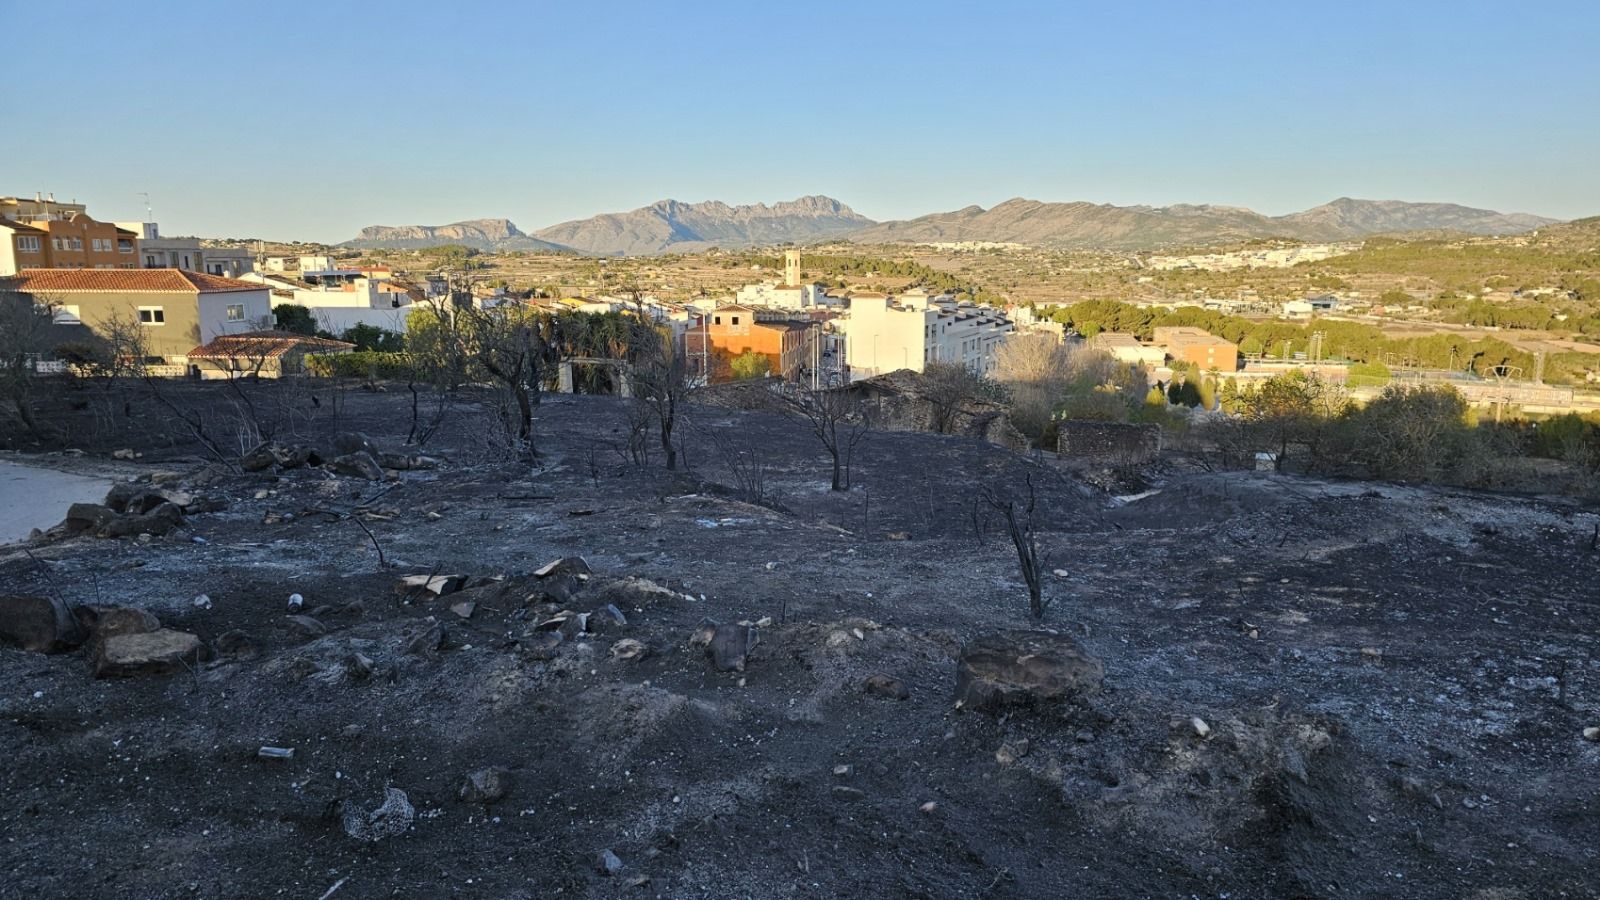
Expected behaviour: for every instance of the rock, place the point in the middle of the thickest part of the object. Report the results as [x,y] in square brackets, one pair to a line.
[235,644]
[201,601]
[358,465]
[928,808]
[842,792]
[437,585]
[880,685]
[560,579]
[1011,751]
[349,442]
[1024,668]
[1201,729]
[306,626]
[157,521]
[606,618]
[485,786]
[543,645]
[703,633]
[628,650]
[388,820]
[41,624]
[89,517]
[464,609]
[429,640]
[842,771]
[159,652]
[1592,733]
[108,622]
[359,666]
[608,863]
[731,645]
[124,453]
[272,453]
[406,461]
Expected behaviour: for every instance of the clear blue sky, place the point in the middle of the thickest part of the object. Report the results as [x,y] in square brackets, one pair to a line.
[308,120]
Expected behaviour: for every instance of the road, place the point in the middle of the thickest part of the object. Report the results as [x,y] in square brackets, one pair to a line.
[38,498]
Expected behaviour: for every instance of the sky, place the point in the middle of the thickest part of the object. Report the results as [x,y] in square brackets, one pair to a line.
[307,121]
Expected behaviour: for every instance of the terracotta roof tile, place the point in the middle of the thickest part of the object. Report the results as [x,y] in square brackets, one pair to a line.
[173,281]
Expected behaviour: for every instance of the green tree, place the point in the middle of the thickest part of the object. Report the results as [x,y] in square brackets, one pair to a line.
[371,337]
[750,364]
[293,317]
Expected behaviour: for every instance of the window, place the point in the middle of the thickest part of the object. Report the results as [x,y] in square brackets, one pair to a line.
[56,242]
[152,315]
[716,320]
[27,244]
[149,261]
[735,320]
[236,312]
[77,243]
[124,245]
[66,315]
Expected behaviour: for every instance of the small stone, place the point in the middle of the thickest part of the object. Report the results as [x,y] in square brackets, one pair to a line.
[124,453]
[201,602]
[928,808]
[842,771]
[464,609]
[1201,729]
[485,786]
[606,618]
[764,622]
[388,820]
[1083,736]
[703,633]
[881,685]
[850,794]
[543,645]
[358,465]
[276,753]
[1592,733]
[859,635]
[234,643]
[296,602]
[608,863]
[629,649]
[351,732]
[1011,751]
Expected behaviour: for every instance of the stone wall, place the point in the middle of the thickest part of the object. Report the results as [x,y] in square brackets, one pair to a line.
[1115,443]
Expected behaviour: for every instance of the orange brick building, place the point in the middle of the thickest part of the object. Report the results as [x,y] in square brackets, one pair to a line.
[1202,349]
[75,242]
[733,331]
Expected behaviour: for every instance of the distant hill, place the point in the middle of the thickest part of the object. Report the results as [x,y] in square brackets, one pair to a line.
[673,227]
[1088,225]
[480,234]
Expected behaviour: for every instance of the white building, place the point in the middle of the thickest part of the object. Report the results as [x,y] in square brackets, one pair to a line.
[1127,349]
[1305,309]
[790,294]
[345,304]
[884,334]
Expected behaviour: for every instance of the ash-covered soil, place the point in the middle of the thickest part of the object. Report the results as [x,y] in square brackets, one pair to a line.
[1392,684]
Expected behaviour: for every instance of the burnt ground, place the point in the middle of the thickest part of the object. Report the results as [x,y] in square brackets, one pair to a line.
[1396,680]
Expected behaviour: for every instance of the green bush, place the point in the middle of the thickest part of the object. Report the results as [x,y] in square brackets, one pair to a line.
[368,364]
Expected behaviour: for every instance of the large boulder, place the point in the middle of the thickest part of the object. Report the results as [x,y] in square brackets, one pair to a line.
[109,622]
[90,517]
[41,624]
[1024,668]
[358,465]
[160,652]
[157,521]
[348,442]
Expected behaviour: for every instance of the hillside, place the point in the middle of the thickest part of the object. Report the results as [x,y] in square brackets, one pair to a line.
[480,234]
[1086,225]
[671,226]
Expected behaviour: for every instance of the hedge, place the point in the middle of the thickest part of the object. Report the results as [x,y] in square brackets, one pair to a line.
[370,364]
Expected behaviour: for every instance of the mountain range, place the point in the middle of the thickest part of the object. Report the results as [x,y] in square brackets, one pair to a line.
[670,226]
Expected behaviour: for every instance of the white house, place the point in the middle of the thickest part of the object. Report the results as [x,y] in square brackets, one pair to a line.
[884,334]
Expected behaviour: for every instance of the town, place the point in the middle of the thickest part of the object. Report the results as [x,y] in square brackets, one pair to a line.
[707,450]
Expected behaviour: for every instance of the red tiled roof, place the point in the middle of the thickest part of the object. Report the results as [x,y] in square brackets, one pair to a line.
[172,281]
[264,345]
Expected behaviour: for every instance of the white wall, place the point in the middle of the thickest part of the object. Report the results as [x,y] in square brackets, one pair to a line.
[213,311]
